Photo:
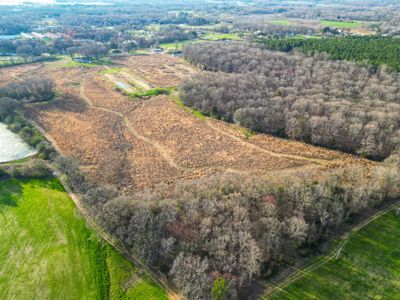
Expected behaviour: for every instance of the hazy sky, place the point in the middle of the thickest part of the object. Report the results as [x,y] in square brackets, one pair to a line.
[11,2]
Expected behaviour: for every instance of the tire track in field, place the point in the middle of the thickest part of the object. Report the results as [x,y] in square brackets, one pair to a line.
[160,149]
[99,230]
[318,161]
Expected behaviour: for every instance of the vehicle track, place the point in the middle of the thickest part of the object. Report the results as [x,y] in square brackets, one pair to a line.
[165,155]
[100,231]
[160,149]
[269,152]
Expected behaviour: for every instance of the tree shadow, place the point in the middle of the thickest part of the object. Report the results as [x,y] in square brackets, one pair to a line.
[10,192]
[51,183]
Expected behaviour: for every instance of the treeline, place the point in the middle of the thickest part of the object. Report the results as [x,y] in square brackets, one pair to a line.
[260,26]
[336,104]
[231,228]
[165,34]
[30,90]
[376,50]
[35,168]
[8,26]
[12,98]
[24,47]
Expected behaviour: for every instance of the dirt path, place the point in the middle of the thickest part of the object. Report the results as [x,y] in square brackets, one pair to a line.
[272,153]
[160,149]
[335,253]
[100,231]
[171,162]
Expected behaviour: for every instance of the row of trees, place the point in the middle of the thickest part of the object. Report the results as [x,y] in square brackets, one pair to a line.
[30,90]
[92,50]
[23,47]
[12,97]
[262,26]
[376,50]
[336,104]
[233,229]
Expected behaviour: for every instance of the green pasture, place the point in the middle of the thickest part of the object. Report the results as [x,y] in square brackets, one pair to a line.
[368,267]
[48,252]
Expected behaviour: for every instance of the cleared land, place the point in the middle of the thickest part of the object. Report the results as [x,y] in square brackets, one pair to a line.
[140,143]
[367,267]
[340,24]
[47,252]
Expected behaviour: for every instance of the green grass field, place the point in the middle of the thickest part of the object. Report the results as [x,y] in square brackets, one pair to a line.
[215,36]
[48,252]
[338,24]
[368,267]
[281,22]
[207,37]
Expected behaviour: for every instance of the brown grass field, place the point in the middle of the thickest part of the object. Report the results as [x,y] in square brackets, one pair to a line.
[136,144]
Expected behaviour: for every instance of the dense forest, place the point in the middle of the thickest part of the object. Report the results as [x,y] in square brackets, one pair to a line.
[375,50]
[233,228]
[336,104]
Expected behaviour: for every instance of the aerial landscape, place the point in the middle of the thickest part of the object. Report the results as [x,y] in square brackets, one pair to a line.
[208,149]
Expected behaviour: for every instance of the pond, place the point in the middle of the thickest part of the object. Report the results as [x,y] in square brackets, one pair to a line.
[12,147]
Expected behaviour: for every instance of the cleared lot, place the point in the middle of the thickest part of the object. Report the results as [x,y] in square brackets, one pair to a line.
[141,143]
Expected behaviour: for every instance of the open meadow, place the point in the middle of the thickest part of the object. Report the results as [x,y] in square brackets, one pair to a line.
[136,143]
[48,252]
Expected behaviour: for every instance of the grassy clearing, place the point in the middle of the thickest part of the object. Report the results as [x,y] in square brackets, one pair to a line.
[195,112]
[150,93]
[47,252]
[281,22]
[368,267]
[9,61]
[339,24]
[67,62]
[248,134]
[207,37]
[180,45]
[115,70]
[214,36]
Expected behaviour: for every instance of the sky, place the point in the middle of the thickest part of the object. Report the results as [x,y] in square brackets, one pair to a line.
[13,2]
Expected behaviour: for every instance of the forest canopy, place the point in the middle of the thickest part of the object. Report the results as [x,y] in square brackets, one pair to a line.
[375,50]
[336,104]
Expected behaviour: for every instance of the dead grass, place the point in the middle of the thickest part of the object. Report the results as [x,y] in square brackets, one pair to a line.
[161,70]
[141,143]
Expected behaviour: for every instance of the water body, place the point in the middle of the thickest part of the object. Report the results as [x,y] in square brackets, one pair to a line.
[12,147]
[124,86]
[8,37]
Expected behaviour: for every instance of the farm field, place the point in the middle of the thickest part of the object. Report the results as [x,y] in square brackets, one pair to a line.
[48,252]
[367,267]
[208,36]
[147,141]
[340,24]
